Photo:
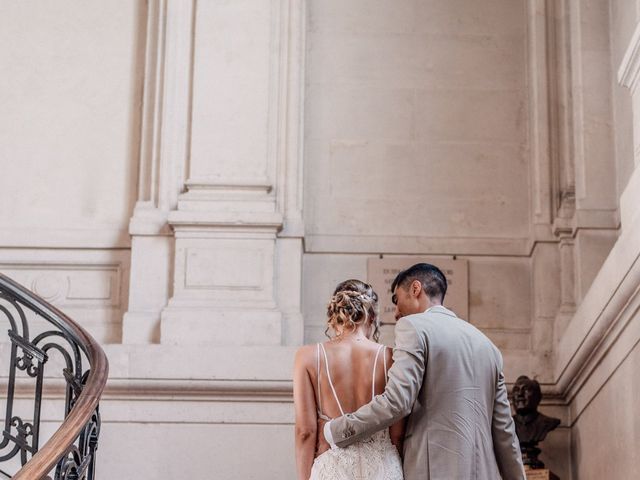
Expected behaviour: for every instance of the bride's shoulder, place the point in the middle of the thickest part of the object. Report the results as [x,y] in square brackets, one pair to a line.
[306,354]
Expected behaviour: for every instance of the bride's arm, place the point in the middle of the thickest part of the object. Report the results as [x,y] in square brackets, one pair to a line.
[396,431]
[304,401]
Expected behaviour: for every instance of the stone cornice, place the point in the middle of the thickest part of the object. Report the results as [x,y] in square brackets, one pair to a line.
[205,220]
[172,389]
[230,185]
[592,332]
[45,237]
[593,344]
[407,245]
[605,219]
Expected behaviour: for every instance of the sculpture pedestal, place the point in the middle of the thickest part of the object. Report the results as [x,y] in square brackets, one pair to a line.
[539,474]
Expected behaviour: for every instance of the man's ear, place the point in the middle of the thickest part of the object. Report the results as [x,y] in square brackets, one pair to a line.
[416,288]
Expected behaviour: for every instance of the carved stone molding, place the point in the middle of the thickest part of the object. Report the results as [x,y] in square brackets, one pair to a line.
[166,108]
[539,36]
[628,74]
[75,285]
[163,153]
[629,69]
[418,245]
[65,237]
[90,285]
[172,389]
[592,339]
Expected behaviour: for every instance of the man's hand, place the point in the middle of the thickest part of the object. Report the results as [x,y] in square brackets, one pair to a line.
[323,445]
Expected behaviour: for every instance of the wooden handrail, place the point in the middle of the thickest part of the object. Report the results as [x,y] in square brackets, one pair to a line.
[85,406]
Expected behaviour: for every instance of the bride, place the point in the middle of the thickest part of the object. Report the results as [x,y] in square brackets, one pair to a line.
[339,376]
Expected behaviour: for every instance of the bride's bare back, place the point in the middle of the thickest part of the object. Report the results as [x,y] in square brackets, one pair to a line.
[351,368]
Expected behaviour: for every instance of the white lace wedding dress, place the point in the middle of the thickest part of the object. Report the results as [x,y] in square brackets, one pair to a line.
[374,458]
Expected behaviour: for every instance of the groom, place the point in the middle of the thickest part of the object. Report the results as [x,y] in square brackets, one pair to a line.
[447,376]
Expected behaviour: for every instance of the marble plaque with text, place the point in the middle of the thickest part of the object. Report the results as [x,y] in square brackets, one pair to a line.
[382,271]
[540,474]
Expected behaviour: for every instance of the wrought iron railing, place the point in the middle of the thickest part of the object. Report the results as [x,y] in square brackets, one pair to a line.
[44,347]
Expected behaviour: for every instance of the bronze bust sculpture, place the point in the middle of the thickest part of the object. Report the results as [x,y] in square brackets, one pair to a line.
[531,426]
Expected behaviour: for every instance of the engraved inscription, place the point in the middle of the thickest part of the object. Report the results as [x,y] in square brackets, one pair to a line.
[382,271]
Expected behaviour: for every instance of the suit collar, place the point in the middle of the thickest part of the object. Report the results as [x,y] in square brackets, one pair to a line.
[440,309]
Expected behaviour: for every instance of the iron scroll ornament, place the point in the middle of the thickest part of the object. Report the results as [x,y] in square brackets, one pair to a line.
[61,339]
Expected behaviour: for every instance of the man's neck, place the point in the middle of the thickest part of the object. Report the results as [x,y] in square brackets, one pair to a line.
[430,305]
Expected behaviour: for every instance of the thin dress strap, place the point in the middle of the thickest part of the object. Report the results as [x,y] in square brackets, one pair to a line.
[326,364]
[320,414]
[384,359]
[373,379]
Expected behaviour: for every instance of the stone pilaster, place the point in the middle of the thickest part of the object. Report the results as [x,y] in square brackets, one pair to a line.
[163,150]
[238,227]
[629,76]
[595,189]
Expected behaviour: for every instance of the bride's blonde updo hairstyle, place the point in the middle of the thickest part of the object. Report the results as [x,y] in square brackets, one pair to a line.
[354,303]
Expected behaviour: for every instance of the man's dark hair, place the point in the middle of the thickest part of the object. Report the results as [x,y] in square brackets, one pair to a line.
[433,281]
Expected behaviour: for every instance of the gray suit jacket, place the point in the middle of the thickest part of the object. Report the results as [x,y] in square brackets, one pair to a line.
[447,376]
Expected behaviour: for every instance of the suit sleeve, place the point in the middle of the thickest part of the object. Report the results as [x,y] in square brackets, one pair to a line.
[505,441]
[405,380]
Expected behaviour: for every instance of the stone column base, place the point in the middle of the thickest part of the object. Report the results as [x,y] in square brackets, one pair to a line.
[220,326]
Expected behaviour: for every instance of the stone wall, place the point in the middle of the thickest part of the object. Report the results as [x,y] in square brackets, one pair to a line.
[598,357]
[611,417]
[69,140]
[190,180]
[396,160]
[417,143]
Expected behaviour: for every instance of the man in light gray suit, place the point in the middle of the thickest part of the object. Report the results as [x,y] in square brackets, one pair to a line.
[447,376]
